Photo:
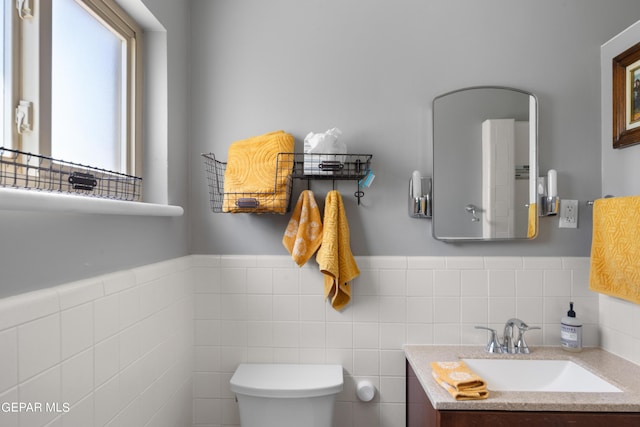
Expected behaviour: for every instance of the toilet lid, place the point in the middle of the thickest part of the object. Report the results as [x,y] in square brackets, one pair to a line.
[287,381]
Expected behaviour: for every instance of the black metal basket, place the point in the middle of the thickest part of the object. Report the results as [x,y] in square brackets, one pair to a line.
[19,169]
[275,199]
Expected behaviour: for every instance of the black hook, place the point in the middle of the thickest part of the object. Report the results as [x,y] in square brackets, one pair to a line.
[359,193]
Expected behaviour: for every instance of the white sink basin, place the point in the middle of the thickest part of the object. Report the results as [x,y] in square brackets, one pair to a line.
[538,375]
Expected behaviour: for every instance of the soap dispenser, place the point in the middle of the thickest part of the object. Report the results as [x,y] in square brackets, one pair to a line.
[571,331]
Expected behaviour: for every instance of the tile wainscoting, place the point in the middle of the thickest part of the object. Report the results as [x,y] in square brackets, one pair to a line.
[266,309]
[115,350]
[156,345]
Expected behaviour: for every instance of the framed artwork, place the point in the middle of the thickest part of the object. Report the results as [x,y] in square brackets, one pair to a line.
[626,98]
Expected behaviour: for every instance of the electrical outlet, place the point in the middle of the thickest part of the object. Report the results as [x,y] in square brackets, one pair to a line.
[568,214]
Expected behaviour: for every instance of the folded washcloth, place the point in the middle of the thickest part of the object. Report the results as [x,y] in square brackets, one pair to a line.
[304,231]
[459,380]
[615,248]
[334,256]
[254,172]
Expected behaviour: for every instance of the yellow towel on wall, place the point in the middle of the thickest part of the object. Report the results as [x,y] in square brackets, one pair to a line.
[304,231]
[615,248]
[459,380]
[334,256]
[254,172]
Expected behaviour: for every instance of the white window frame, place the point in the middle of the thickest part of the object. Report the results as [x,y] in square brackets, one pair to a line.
[34,69]
[12,60]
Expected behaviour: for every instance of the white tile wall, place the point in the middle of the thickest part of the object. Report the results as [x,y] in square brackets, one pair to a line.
[267,309]
[94,353]
[157,345]
[619,329]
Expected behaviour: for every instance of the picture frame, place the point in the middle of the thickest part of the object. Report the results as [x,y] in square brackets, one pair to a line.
[626,98]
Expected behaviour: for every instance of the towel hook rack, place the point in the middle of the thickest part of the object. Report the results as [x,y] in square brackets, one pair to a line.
[334,167]
[359,194]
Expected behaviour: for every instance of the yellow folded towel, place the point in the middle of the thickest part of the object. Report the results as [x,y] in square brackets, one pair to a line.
[459,380]
[615,248]
[334,256]
[304,231]
[253,171]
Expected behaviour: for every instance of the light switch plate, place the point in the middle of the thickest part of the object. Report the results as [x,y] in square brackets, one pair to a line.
[568,214]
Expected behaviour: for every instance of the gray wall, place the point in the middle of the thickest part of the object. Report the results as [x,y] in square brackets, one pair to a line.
[39,250]
[372,68]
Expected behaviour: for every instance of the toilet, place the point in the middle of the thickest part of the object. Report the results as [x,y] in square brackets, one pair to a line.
[284,395]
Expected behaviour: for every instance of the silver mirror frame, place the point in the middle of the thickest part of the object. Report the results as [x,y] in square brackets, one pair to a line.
[439,187]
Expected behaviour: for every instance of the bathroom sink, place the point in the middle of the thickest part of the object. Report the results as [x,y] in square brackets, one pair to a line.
[538,375]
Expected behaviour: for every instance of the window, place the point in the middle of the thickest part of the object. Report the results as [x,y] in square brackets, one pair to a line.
[80,70]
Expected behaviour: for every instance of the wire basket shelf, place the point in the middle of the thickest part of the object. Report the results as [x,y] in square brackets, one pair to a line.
[289,166]
[23,170]
[274,197]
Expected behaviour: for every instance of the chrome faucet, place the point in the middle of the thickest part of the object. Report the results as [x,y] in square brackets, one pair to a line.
[510,344]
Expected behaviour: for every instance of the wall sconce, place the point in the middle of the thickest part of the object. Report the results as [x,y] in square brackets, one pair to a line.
[548,201]
[420,196]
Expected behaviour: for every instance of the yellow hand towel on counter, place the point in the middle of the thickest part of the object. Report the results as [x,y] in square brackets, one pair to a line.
[615,248]
[334,256]
[254,172]
[459,380]
[304,231]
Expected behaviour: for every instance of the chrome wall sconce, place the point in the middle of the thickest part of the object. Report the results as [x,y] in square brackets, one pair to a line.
[420,201]
[548,200]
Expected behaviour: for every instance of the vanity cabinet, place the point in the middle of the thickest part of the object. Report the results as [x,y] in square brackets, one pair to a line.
[421,413]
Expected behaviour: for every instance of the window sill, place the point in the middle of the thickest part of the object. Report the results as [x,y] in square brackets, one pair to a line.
[13,199]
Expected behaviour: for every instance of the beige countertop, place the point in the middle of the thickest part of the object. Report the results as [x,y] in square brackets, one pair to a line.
[619,372]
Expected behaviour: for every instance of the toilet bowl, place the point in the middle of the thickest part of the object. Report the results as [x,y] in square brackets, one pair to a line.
[282,395]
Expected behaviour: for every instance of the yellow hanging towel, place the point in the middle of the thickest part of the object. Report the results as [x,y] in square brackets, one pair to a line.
[615,248]
[304,231]
[334,256]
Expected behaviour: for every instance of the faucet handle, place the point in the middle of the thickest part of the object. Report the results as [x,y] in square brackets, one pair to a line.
[521,345]
[493,346]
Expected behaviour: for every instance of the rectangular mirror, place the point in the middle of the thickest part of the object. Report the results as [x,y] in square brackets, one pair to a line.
[485,164]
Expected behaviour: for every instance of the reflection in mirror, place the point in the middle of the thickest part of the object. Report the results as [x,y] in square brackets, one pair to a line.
[485,164]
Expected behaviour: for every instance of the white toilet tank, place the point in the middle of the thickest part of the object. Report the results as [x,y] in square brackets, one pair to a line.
[282,395]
